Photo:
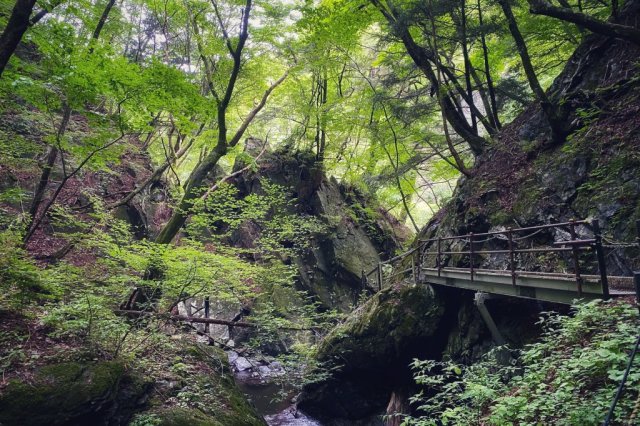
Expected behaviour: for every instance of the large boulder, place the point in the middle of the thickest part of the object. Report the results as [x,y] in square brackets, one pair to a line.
[74,393]
[107,393]
[367,357]
[205,387]
[357,234]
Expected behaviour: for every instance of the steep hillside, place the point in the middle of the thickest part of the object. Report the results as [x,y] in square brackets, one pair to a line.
[524,179]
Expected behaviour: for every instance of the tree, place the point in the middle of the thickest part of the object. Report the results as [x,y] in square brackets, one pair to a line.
[193,186]
[425,60]
[624,32]
[552,111]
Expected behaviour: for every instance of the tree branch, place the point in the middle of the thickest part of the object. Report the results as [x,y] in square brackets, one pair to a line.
[256,109]
[542,7]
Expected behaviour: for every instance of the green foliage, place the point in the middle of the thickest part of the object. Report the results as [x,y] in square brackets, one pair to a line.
[145,419]
[21,280]
[568,378]
[270,222]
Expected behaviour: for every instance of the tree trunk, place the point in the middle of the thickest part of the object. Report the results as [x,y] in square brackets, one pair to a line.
[551,111]
[542,7]
[467,61]
[103,19]
[193,186]
[487,71]
[192,192]
[321,119]
[50,159]
[15,29]
[424,61]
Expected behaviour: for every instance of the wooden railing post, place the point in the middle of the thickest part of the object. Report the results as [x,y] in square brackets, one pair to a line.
[471,254]
[414,269]
[512,263]
[439,256]
[363,280]
[207,309]
[636,281]
[576,259]
[379,276]
[602,264]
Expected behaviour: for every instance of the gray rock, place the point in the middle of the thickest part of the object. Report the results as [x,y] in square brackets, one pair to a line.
[241,364]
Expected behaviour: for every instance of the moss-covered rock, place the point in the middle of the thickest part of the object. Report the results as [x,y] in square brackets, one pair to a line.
[70,393]
[231,407]
[384,328]
[352,234]
[208,395]
[368,356]
[186,417]
[105,393]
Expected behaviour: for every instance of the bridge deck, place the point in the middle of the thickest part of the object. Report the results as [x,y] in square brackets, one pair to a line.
[579,243]
[550,287]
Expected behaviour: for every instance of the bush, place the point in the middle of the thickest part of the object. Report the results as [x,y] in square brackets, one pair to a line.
[568,378]
[20,278]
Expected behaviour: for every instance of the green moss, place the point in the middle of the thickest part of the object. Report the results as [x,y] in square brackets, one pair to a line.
[497,214]
[529,197]
[216,394]
[60,393]
[378,330]
[186,417]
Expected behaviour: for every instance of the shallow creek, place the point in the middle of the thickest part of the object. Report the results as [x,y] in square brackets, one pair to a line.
[256,379]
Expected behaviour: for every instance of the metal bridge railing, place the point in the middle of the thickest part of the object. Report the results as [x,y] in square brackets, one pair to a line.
[441,247]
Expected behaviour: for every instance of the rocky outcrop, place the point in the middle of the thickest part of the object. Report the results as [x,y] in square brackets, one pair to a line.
[357,235]
[213,399]
[367,357]
[75,393]
[107,393]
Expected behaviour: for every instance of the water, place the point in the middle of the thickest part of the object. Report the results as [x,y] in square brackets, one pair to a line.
[290,417]
[267,398]
[271,400]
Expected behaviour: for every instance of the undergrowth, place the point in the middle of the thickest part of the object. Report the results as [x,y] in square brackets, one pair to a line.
[569,377]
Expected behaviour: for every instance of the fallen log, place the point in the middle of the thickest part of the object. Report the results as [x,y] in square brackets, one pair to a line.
[135,314]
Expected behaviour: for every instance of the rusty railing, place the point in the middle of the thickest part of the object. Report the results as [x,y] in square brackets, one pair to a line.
[440,250]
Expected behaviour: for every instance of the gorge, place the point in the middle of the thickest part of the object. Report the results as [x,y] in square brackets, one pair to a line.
[328,213]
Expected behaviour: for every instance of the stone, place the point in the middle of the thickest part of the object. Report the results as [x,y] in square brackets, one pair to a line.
[73,393]
[242,364]
[232,356]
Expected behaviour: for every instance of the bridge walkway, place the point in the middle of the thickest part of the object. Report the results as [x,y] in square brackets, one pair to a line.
[584,257]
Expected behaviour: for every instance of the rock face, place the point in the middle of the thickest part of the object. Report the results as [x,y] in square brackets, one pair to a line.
[368,355]
[106,393]
[357,236]
[75,393]
[217,399]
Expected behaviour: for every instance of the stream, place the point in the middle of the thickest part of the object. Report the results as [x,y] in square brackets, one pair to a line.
[256,379]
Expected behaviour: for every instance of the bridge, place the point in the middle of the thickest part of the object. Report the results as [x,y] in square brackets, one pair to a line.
[583,275]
